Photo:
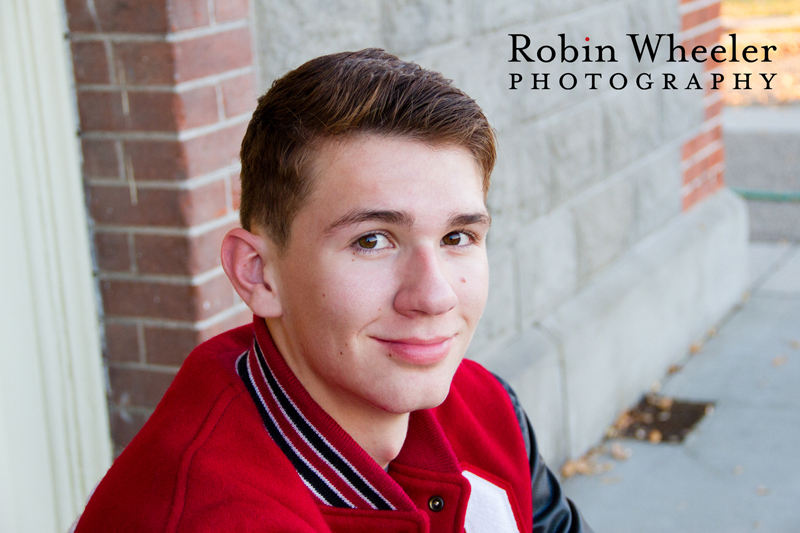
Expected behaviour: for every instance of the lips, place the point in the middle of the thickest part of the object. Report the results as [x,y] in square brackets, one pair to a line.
[418,351]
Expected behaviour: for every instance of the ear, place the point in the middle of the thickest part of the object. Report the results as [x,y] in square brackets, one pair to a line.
[249,261]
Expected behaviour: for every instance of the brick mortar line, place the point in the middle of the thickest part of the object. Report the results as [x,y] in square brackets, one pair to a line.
[178,88]
[220,101]
[163,279]
[177,324]
[689,158]
[212,16]
[213,79]
[142,345]
[697,5]
[696,183]
[131,253]
[229,191]
[193,133]
[180,135]
[705,127]
[181,185]
[191,231]
[701,154]
[112,66]
[700,29]
[168,36]
[700,134]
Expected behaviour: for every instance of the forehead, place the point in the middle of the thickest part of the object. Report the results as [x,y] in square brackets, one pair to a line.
[394,173]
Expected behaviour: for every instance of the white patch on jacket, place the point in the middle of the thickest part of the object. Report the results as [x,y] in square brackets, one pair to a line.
[488,509]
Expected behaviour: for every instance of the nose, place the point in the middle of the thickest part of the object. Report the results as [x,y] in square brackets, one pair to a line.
[425,288]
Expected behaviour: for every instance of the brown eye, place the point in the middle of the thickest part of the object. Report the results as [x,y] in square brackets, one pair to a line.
[373,241]
[368,241]
[456,238]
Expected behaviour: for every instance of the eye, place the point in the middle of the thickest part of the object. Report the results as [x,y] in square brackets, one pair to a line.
[373,241]
[457,238]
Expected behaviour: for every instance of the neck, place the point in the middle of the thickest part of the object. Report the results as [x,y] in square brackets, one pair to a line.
[380,433]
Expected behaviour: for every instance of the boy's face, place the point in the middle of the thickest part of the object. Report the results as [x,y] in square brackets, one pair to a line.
[385,275]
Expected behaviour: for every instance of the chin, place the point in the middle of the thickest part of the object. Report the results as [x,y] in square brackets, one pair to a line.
[416,398]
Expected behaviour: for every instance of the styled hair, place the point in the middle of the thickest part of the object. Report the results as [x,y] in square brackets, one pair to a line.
[338,95]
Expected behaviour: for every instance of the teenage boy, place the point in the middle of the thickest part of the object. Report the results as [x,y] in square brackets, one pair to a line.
[347,404]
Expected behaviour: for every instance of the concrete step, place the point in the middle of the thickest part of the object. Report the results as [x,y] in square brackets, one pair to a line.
[763,159]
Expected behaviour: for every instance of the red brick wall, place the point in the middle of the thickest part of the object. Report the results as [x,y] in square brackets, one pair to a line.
[703,158]
[165,89]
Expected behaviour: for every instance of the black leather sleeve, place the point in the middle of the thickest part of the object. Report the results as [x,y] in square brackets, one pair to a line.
[552,511]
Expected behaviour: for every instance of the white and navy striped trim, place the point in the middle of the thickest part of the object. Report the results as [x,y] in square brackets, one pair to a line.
[322,467]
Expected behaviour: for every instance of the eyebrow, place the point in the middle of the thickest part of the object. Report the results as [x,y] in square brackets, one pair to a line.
[397,218]
[404,219]
[468,219]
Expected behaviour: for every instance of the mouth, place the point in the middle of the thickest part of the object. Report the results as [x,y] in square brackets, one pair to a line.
[418,351]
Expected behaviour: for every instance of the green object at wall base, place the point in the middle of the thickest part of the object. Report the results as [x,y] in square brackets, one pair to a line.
[767,196]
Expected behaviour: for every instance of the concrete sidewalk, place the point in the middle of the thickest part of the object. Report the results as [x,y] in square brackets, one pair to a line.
[739,469]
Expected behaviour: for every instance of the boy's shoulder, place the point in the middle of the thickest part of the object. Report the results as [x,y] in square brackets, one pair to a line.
[202,448]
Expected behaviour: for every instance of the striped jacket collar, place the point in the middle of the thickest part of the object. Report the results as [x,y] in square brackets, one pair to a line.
[336,470]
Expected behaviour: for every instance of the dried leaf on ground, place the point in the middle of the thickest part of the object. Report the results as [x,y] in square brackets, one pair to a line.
[620,452]
[695,348]
[779,360]
[795,345]
[674,369]
[587,465]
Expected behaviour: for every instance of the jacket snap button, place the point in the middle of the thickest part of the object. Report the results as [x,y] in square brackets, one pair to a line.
[436,504]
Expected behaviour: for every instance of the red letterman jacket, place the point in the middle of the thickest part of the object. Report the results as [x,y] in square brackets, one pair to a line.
[237,444]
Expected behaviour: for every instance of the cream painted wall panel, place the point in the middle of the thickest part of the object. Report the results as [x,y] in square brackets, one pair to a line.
[54,438]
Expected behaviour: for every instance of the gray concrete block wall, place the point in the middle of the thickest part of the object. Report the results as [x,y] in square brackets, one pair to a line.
[583,176]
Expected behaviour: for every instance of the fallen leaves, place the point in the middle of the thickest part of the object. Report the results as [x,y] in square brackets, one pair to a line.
[657,418]
[590,464]
[779,360]
[674,369]
[587,465]
[655,436]
[620,452]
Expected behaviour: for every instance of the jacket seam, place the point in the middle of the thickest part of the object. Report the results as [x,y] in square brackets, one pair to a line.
[199,440]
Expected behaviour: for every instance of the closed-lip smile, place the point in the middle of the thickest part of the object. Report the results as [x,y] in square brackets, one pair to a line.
[417,350]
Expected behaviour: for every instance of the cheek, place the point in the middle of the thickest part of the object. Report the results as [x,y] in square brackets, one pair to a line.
[358,291]
[472,288]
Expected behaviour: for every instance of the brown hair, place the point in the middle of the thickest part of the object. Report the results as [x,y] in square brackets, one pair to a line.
[369,91]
